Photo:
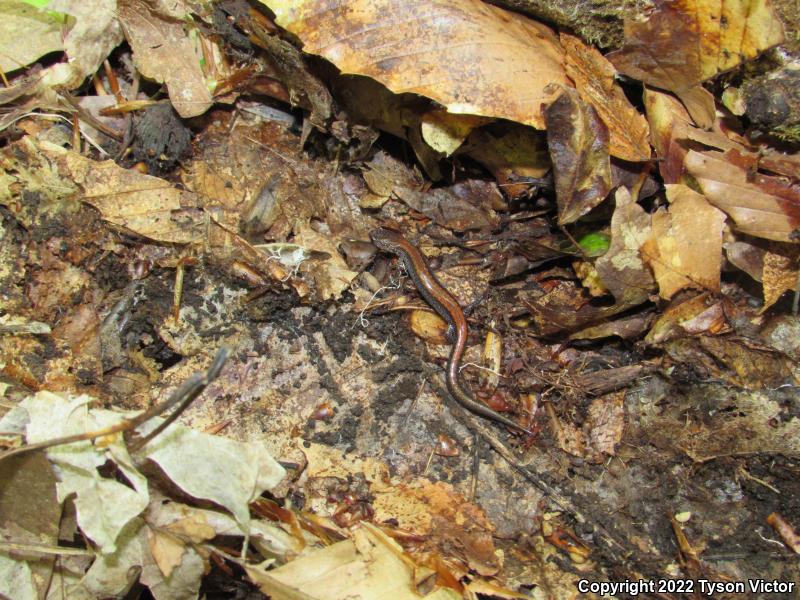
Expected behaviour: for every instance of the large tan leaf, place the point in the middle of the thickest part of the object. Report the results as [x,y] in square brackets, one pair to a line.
[471,57]
[686,247]
[594,75]
[760,205]
[685,42]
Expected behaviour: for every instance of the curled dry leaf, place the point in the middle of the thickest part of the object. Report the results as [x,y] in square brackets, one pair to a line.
[669,122]
[594,75]
[686,247]
[760,205]
[682,43]
[470,57]
[578,143]
[163,51]
[696,315]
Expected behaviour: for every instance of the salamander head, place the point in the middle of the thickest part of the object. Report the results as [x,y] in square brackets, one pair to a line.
[386,239]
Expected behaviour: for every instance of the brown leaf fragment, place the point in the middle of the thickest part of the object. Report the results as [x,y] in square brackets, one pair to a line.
[458,207]
[594,75]
[781,272]
[686,247]
[578,144]
[163,51]
[753,365]
[684,42]
[145,205]
[759,205]
[696,315]
[470,57]
[621,268]
[604,425]
[669,121]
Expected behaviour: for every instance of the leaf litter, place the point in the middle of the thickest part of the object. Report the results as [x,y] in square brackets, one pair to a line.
[626,255]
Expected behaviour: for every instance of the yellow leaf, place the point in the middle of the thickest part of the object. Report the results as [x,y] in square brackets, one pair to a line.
[469,56]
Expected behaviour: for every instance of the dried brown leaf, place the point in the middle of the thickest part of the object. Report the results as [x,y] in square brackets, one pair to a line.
[163,51]
[458,207]
[594,75]
[682,43]
[578,143]
[470,57]
[686,247]
[781,272]
[759,205]
[621,268]
[669,122]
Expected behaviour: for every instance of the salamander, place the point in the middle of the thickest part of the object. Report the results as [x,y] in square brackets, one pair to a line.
[447,307]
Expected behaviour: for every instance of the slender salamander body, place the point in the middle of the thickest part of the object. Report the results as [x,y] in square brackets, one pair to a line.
[448,308]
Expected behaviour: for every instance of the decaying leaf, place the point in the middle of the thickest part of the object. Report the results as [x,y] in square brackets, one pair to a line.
[163,51]
[682,43]
[686,247]
[578,143]
[622,268]
[370,565]
[144,205]
[470,57]
[42,31]
[781,272]
[759,205]
[699,314]
[460,207]
[594,75]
